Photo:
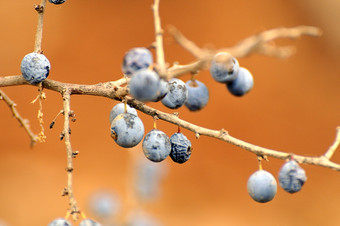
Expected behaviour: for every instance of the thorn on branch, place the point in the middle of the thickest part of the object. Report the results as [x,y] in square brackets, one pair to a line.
[75,154]
[65,192]
[69,169]
[62,135]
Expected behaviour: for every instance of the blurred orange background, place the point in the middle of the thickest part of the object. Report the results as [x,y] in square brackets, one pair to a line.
[293,107]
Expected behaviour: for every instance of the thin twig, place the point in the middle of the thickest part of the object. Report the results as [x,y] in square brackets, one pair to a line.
[159,40]
[74,210]
[329,153]
[120,92]
[23,122]
[38,36]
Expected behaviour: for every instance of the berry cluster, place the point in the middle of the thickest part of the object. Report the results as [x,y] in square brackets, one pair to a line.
[226,69]
[262,185]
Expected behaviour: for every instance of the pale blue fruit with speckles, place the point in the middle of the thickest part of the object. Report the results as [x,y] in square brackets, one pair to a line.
[59,222]
[144,85]
[89,222]
[292,177]
[224,68]
[177,95]
[136,59]
[198,95]
[119,109]
[242,84]
[35,68]
[262,186]
[127,130]
[156,145]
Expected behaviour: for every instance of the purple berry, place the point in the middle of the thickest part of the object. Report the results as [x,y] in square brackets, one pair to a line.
[180,148]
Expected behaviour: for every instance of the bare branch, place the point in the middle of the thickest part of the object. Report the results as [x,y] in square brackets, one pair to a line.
[74,209]
[23,122]
[329,153]
[159,40]
[38,36]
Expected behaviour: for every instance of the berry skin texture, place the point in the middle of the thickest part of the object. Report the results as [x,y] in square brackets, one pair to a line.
[57,2]
[59,222]
[224,68]
[177,95]
[127,130]
[180,148]
[262,186]
[242,84]
[35,68]
[136,59]
[156,145]
[198,95]
[89,222]
[292,177]
[144,85]
[162,90]
[119,109]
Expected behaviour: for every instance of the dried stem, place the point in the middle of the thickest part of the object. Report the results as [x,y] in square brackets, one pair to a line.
[329,153]
[23,122]
[38,36]
[159,40]
[106,90]
[74,210]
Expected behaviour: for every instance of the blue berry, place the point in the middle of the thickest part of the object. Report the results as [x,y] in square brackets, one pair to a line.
[262,186]
[242,84]
[59,222]
[198,95]
[89,222]
[57,2]
[104,204]
[35,68]
[224,68]
[127,130]
[144,85]
[162,90]
[136,59]
[156,145]
[292,177]
[119,109]
[177,95]
[180,148]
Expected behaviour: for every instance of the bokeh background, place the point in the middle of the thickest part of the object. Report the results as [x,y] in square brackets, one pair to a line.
[293,107]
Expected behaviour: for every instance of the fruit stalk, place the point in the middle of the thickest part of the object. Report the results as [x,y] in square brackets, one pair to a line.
[38,36]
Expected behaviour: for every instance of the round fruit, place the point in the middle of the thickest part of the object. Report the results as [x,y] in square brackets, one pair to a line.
[119,109]
[156,145]
[224,68]
[59,222]
[89,222]
[57,2]
[136,59]
[177,95]
[242,84]
[180,148]
[104,204]
[198,95]
[127,130]
[35,68]
[262,186]
[292,177]
[162,90]
[144,85]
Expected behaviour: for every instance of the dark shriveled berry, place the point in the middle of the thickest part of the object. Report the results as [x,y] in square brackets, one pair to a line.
[180,148]
[292,177]
[57,2]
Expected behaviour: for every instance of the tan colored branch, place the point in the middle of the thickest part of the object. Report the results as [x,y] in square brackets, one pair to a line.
[38,36]
[23,122]
[329,153]
[74,209]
